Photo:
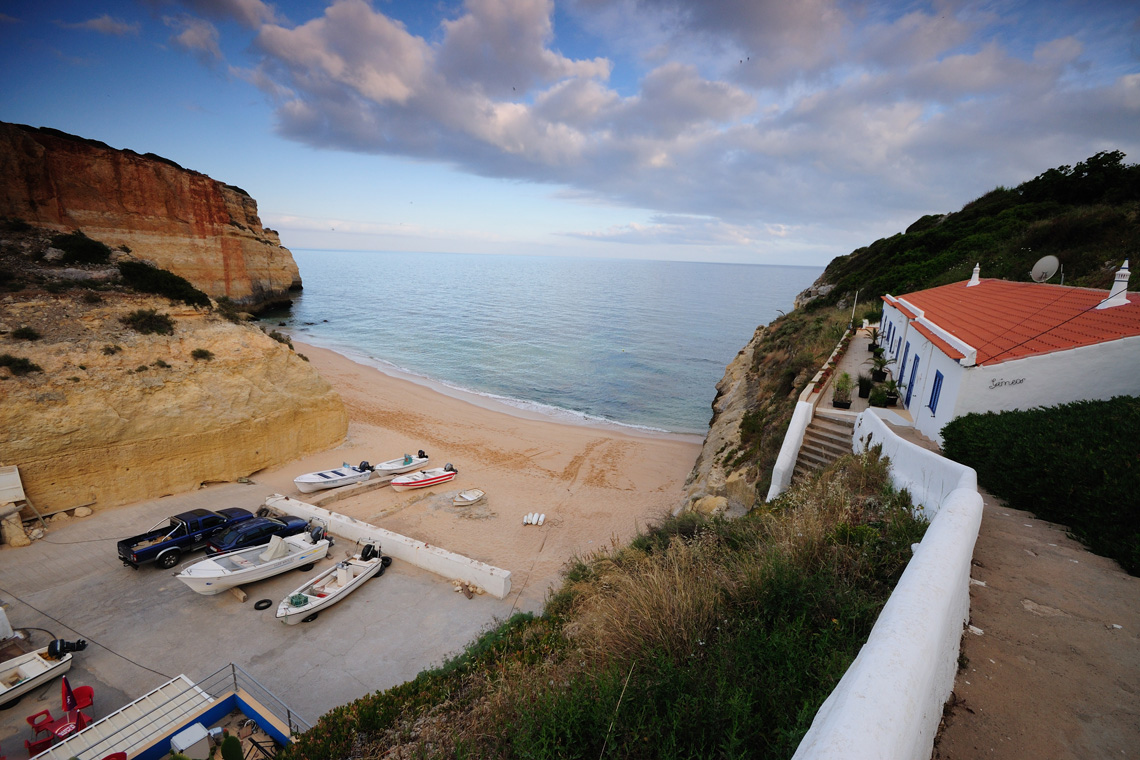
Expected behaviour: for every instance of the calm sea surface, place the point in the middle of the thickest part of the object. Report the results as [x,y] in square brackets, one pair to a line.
[638,343]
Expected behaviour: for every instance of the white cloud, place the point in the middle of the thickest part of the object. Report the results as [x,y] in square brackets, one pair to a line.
[106,25]
[196,36]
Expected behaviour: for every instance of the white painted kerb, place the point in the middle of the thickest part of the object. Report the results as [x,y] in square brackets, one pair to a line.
[496,581]
[888,704]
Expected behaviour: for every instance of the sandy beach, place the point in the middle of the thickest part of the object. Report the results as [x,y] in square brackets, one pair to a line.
[594,483]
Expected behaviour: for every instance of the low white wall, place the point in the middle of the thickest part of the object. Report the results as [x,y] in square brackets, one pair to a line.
[790,449]
[888,704]
[496,581]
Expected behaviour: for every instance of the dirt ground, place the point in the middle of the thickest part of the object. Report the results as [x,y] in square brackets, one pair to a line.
[1053,670]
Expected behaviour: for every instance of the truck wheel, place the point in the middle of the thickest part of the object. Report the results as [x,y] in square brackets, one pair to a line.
[168,560]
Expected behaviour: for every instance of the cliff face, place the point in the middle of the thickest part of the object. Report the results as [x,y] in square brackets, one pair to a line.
[179,220]
[713,487]
[116,416]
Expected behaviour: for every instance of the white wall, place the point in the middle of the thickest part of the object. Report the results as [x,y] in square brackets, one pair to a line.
[953,375]
[496,581]
[1089,372]
[889,703]
[790,448]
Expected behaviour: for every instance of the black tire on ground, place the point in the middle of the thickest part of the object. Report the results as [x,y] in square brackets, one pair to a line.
[306,568]
[12,702]
[310,618]
[263,604]
[385,560]
[169,560]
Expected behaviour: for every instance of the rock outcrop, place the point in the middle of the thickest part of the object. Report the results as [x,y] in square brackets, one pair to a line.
[115,416]
[179,220]
[712,488]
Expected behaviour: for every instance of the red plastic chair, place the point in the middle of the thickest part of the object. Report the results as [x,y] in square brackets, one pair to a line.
[40,722]
[39,745]
[84,697]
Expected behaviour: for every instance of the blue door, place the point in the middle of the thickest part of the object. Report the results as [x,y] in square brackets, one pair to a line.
[910,384]
[902,364]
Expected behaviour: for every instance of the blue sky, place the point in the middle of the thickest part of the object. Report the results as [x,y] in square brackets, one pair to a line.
[762,131]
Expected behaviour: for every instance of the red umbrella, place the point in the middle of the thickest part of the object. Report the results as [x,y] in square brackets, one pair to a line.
[68,697]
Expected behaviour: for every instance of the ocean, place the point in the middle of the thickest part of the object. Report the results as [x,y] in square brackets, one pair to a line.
[632,343]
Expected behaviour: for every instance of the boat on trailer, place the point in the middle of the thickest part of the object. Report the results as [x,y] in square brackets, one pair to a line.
[333,585]
[405,463]
[344,475]
[225,571]
[424,478]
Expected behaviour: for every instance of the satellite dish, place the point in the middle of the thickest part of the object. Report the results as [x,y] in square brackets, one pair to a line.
[1045,268]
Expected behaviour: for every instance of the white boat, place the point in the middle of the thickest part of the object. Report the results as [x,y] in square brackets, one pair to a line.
[25,672]
[341,476]
[468,497]
[424,478]
[224,571]
[403,464]
[332,585]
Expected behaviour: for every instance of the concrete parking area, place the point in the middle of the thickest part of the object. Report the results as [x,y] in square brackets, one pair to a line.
[144,627]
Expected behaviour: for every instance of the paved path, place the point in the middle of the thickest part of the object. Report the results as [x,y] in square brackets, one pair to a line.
[1055,672]
[144,626]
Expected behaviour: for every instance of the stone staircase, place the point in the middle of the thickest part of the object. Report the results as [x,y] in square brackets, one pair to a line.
[827,438]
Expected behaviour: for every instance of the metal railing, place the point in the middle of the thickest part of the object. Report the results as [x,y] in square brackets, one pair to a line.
[233,679]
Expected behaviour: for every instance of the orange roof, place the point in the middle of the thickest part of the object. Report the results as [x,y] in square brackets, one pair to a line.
[1008,320]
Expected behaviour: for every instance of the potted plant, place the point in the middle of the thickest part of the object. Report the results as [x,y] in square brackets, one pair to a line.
[879,364]
[841,392]
[865,383]
[873,334]
[878,396]
[891,388]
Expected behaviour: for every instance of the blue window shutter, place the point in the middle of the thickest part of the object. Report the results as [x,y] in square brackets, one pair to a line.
[935,391]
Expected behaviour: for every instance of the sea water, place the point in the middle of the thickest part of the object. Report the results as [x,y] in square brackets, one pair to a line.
[636,343]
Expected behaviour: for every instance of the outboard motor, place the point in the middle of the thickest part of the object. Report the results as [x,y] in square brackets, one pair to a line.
[422,455]
[317,533]
[59,647]
[365,467]
[448,468]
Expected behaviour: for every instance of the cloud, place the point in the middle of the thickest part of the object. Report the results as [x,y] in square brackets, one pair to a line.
[195,36]
[249,13]
[105,25]
[738,122]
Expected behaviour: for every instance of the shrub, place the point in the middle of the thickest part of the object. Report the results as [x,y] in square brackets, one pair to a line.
[16,225]
[204,354]
[231,748]
[160,364]
[149,322]
[110,350]
[144,278]
[229,310]
[25,333]
[92,298]
[79,249]
[281,338]
[18,365]
[1073,464]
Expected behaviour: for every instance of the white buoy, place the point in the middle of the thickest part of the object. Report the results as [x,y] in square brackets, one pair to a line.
[542,518]
[526,519]
[533,518]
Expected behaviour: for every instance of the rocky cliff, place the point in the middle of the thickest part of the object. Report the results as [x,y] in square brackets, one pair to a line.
[179,220]
[113,415]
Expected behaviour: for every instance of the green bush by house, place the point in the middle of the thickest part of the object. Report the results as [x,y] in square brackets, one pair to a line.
[1075,464]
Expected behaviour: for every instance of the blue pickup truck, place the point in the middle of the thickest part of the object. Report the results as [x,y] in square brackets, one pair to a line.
[165,543]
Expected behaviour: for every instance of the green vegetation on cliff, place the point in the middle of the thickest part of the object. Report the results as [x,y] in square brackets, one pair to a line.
[1087,215]
[702,638]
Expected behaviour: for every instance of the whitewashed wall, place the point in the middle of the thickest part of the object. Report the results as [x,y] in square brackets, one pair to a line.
[790,448]
[1089,372]
[888,704]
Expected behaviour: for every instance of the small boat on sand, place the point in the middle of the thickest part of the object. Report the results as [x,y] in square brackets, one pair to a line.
[468,497]
[334,584]
[341,476]
[403,464]
[424,478]
[225,571]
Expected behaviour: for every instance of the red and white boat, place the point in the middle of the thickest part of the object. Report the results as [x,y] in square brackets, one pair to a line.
[424,478]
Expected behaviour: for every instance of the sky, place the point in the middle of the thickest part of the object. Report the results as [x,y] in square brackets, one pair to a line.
[746,131]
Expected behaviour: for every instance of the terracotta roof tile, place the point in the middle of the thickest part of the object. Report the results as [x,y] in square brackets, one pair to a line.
[1007,320]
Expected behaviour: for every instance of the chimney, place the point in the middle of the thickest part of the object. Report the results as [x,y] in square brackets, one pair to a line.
[974,279]
[1118,296]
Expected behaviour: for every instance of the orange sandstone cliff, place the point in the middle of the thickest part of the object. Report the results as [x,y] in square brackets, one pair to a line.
[179,220]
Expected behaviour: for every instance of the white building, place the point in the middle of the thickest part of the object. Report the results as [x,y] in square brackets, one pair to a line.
[994,345]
